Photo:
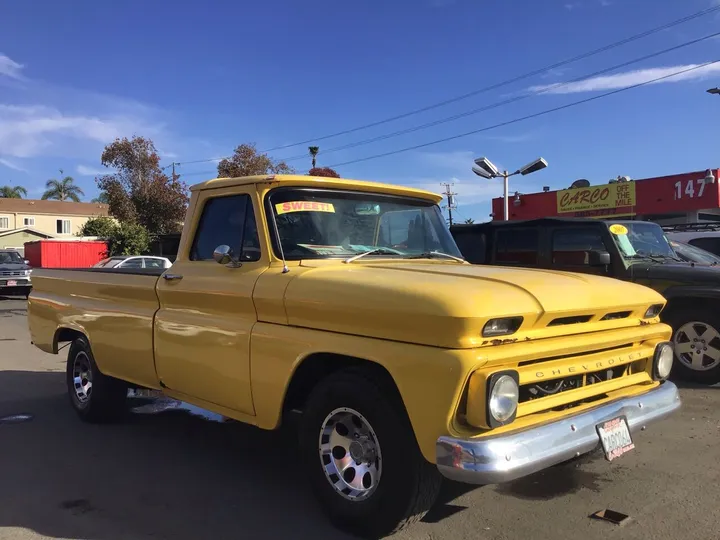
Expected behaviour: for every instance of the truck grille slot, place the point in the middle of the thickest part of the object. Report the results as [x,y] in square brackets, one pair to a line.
[12,273]
[616,315]
[529,392]
[576,355]
[575,319]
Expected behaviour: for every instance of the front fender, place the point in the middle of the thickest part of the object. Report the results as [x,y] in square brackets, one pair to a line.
[430,380]
[691,291]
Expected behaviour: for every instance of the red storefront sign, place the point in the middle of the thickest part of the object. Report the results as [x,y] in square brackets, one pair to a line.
[662,195]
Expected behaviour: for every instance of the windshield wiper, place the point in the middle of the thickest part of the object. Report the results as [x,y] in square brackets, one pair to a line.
[432,254]
[376,251]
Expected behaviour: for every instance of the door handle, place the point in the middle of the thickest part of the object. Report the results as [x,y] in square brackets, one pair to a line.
[172,277]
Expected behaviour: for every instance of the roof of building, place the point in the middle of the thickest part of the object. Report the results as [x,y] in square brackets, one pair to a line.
[61,208]
[319,181]
[29,230]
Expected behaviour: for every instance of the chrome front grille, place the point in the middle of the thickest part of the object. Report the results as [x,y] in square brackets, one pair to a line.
[12,273]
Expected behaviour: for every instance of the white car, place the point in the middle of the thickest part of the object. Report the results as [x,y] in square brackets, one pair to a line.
[140,261]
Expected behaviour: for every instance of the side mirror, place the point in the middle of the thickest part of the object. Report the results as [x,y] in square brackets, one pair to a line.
[224,255]
[599,258]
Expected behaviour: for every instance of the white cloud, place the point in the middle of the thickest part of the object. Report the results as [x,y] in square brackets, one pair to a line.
[83,170]
[27,131]
[630,78]
[10,68]
[10,165]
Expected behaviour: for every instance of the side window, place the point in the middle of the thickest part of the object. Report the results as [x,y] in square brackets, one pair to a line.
[517,246]
[153,263]
[571,246]
[227,221]
[711,244]
[132,263]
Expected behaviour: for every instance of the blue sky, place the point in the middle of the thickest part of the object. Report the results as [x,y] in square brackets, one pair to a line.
[200,78]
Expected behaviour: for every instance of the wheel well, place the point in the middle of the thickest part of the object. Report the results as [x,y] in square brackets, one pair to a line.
[65,335]
[318,366]
[688,302]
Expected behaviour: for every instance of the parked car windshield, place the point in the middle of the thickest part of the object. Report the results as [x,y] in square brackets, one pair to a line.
[642,240]
[10,257]
[109,262]
[325,223]
[694,254]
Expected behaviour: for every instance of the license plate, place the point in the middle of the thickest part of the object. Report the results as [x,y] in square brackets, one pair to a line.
[12,283]
[615,437]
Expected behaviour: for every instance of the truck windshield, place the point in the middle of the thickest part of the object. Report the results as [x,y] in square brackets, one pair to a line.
[642,240]
[316,223]
[10,257]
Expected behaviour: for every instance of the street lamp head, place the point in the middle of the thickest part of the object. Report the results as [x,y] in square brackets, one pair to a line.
[535,166]
[709,177]
[713,91]
[481,172]
[485,164]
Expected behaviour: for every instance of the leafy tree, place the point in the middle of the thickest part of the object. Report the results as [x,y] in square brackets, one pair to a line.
[62,190]
[101,226]
[323,171]
[247,161]
[139,191]
[12,192]
[469,221]
[314,151]
[102,198]
[128,239]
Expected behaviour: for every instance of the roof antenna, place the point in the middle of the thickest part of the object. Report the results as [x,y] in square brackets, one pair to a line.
[285,269]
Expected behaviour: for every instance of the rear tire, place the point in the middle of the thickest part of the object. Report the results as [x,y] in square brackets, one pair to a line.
[381,483]
[696,337]
[95,397]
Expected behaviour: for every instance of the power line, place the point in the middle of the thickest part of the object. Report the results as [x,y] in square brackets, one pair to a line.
[523,118]
[495,105]
[495,86]
[556,65]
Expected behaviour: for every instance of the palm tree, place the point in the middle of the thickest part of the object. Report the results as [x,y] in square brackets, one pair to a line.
[12,192]
[314,151]
[469,221]
[62,190]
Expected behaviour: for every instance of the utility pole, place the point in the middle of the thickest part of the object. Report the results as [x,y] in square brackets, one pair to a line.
[451,200]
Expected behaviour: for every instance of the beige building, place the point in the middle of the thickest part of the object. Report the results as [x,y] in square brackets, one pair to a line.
[24,220]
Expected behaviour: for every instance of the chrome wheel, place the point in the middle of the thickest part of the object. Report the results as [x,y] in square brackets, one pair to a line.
[82,377]
[697,346]
[350,454]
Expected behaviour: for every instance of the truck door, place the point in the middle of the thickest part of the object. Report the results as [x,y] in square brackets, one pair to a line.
[571,249]
[203,326]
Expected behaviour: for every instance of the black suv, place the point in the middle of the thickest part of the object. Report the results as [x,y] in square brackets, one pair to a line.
[631,250]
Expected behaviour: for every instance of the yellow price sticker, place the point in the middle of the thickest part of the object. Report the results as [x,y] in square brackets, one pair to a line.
[304,206]
[618,229]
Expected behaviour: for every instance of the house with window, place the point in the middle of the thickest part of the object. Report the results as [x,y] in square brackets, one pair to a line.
[25,220]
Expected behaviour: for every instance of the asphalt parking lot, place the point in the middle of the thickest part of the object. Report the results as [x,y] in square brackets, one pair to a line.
[176,476]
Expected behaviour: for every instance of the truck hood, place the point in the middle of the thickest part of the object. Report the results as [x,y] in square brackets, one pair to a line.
[13,267]
[680,273]
[447,304]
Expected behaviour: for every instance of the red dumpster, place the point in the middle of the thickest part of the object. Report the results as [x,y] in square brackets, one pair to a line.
[64,254]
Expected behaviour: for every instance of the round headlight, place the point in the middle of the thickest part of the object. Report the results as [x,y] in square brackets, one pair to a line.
[503,398]
[664,356]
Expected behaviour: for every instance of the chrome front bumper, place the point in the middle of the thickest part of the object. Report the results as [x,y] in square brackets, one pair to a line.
[493,460]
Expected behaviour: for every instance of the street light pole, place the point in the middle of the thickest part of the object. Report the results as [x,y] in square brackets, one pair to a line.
[713,91]
[484,168]
[506,206]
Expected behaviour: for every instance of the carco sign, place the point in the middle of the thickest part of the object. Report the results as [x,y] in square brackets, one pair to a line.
[619,195]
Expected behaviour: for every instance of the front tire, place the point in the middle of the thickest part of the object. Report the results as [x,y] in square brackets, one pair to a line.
[362,458]
[95,397]
[696,337]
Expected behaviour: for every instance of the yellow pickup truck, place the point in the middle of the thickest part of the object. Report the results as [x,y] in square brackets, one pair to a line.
[348,302]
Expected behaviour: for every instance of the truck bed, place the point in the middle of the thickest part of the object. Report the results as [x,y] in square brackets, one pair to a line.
[114,307]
